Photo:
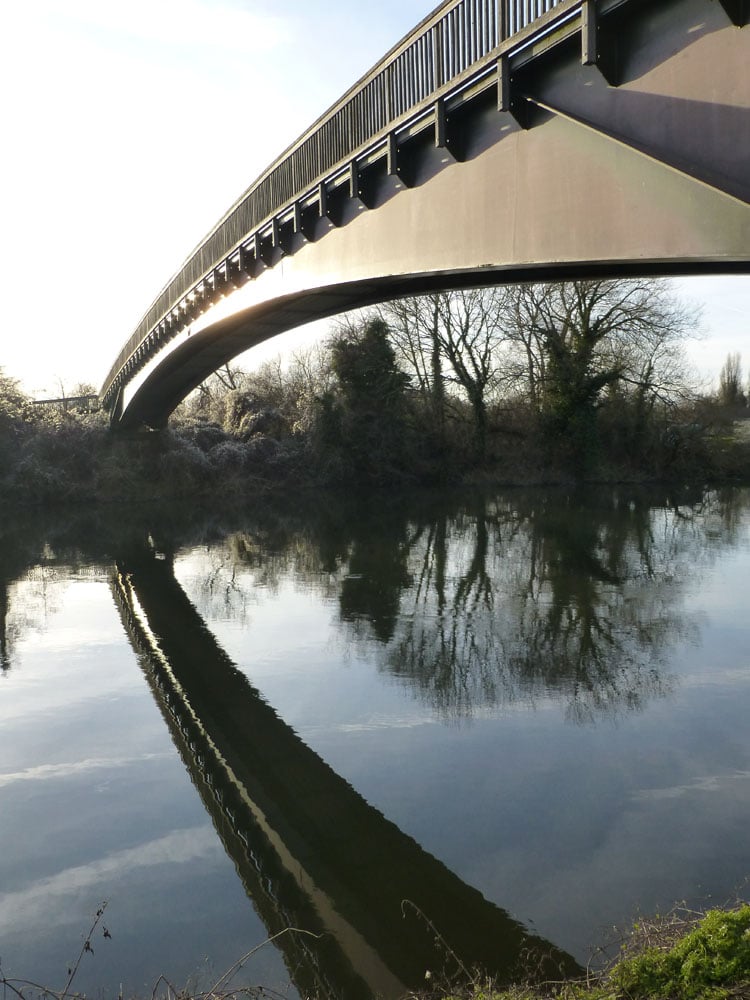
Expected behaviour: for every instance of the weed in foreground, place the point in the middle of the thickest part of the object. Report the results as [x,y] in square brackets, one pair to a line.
[163,989]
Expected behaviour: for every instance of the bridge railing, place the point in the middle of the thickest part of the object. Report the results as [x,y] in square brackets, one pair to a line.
[448,43]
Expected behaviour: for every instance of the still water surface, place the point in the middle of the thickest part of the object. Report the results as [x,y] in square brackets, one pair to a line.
[520,717]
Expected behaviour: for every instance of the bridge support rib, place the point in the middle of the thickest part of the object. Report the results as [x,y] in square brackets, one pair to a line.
[738,11]
[598,44]
[509,100]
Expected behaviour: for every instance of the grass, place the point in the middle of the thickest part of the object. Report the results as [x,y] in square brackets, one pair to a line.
[685,955]
[681,956]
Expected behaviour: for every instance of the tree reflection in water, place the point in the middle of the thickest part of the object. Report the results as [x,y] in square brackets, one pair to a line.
[496,599]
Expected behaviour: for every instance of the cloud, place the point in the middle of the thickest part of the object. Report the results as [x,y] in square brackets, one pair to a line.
[45,897]
[51,772]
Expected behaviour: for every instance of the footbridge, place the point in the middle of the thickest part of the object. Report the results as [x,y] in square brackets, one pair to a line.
[501,140]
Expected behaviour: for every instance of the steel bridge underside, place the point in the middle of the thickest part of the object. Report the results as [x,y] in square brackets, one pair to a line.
[616,144]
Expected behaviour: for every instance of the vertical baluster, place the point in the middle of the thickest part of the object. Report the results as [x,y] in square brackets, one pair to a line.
[429,82]
[456,42]
[429,63]
[414,72]
[437,54]
[460,39]
[416,68]
[423,88]
[413,77]
[464,55]
[447,45]
[323,143]
[293,172]
[463,41]
[462,48]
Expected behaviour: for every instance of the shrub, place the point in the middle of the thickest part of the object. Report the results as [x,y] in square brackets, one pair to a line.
[708,960]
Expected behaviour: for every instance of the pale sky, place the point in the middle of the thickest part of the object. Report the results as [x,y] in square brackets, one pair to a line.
[128,130]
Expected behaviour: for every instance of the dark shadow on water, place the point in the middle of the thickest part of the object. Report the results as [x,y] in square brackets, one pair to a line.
[310,851]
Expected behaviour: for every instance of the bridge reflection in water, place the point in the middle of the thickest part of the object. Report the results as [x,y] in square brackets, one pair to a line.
[310,851]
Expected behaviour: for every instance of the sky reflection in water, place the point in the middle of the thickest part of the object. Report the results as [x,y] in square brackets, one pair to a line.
[548,693]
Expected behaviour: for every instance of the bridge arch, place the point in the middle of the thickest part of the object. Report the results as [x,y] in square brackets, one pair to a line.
[502,140]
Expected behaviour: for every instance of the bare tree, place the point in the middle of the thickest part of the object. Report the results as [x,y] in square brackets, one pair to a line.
[575,339]
[414,325]
[730,381]
[452,337]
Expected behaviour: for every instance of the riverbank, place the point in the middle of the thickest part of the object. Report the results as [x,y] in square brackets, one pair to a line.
[78,460]
[685,955]
[681,956]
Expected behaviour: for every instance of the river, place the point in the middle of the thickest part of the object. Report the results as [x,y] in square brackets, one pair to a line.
[419,732]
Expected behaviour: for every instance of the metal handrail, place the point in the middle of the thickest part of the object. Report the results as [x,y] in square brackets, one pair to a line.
[444,46]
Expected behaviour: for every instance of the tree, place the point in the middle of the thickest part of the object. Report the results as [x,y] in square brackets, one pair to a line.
[365,419]
[13,402]
[453,337]
[730,381]
[576,339]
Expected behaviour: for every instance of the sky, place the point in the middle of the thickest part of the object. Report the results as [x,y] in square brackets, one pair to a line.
[129,129]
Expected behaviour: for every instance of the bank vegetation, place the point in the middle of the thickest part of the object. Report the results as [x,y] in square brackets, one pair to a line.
[539,383]
[683,955]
